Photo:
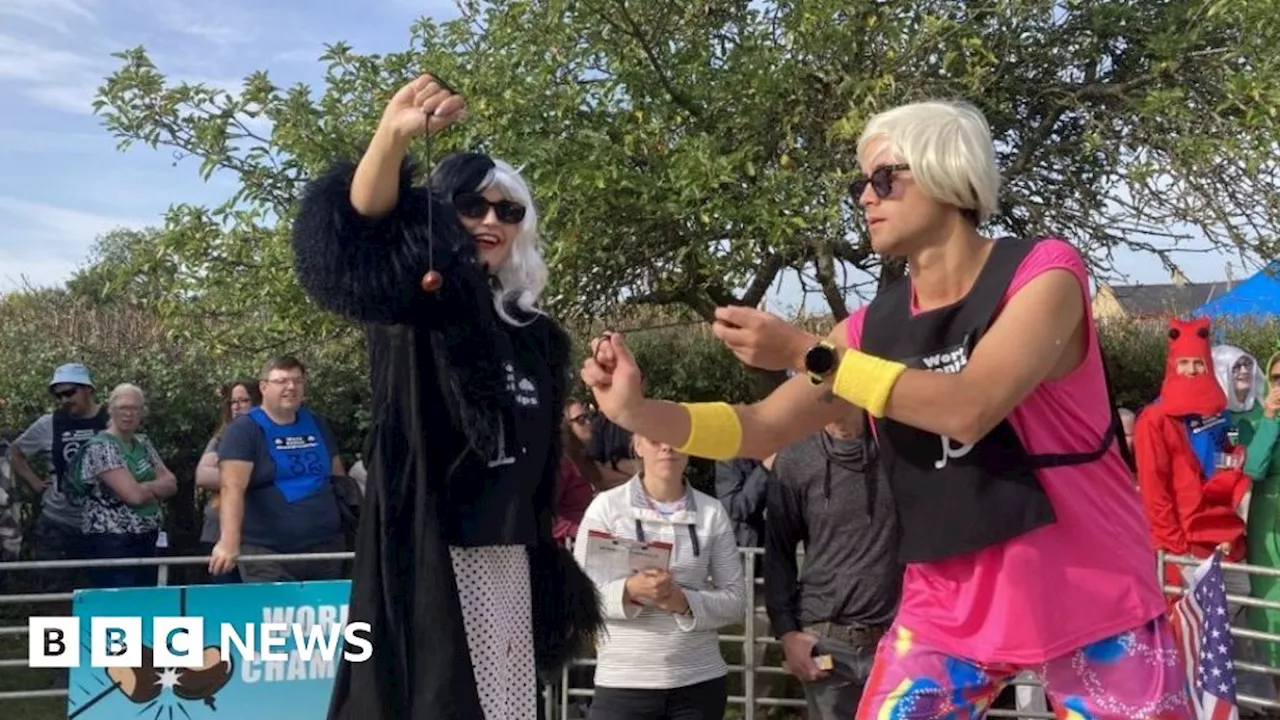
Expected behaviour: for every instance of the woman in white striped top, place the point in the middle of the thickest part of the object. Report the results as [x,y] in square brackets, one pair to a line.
[660,657]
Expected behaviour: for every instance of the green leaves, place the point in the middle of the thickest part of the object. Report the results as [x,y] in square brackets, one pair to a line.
[692,153]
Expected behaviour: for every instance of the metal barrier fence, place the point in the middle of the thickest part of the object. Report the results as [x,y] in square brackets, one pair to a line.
[558,699]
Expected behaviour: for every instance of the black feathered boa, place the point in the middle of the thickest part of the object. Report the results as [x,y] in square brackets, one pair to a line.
[468,356]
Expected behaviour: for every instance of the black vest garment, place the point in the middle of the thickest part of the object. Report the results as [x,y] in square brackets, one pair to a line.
[69,434]
[953,498]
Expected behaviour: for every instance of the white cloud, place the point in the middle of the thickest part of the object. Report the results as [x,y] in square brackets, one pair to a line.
[221,26]
[41,142]
[41,230]
[28,61]
[76,98]
[59,75]
[53,77]
[63,71]
[56,15]
[438,10]
[299,56]
[31,273]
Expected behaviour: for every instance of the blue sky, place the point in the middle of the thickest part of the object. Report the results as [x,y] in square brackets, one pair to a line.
[62,180]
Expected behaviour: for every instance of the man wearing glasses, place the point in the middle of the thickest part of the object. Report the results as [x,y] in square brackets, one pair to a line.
[276,466]
[59,436]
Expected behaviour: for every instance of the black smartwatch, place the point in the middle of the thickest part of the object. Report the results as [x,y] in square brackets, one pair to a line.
[820,361]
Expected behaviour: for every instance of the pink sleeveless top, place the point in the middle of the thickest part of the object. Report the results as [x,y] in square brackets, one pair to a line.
[1088,576]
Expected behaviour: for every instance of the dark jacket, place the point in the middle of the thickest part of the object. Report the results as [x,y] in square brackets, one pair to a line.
[741,485]
[830,496]
[439,393]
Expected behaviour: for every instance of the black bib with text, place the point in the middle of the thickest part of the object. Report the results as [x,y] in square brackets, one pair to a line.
[70,433]
[955,498]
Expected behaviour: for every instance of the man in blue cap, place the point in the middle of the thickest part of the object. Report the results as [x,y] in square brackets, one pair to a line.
[58,437]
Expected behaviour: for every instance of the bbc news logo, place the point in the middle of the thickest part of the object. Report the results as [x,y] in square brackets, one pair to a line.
[179,642]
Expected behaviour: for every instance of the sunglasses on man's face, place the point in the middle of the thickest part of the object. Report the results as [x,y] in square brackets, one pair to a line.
[880,180]
[476,207]
[65,394]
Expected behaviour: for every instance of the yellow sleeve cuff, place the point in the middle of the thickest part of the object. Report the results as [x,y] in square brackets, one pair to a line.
[866,381]
[715,432]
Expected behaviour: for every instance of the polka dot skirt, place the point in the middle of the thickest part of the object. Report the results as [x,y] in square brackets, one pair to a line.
[497,610]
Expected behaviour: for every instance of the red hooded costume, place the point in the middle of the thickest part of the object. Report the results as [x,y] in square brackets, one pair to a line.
[1191,507]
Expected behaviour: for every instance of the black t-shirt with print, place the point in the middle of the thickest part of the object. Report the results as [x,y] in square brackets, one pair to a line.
[493,502]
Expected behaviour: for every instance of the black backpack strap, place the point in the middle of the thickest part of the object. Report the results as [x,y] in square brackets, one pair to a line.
[1113,433]
[1117,426]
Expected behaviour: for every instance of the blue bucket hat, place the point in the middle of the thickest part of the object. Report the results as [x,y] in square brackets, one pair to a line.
[71,374]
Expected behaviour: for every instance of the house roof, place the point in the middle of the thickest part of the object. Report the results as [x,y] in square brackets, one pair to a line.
[1167,299]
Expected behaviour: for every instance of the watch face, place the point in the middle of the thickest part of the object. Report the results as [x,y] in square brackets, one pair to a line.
[820,360]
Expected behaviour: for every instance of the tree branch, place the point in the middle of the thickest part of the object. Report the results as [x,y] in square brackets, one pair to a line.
[677,96]
[763,279]
[825,271]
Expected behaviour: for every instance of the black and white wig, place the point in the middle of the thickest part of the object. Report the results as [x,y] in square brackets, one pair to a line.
[523,277]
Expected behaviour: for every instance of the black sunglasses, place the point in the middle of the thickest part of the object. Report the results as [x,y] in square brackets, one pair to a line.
[64,394]
[881,181]
[476,206]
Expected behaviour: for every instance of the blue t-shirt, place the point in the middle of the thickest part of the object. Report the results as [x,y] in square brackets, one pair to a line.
[289,505]
[1208,438]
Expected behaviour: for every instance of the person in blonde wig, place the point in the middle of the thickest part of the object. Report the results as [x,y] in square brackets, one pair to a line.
[1025,548]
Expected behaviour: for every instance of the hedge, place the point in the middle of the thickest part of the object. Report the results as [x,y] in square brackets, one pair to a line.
[119,344]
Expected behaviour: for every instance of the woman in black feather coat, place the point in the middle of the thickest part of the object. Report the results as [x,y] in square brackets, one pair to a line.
[455,567]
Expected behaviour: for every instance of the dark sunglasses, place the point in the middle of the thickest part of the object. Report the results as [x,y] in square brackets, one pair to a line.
[881,181]
[476,207]
[65,394]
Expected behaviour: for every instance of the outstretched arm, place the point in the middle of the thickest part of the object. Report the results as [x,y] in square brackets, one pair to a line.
[1040,334]
[795,410]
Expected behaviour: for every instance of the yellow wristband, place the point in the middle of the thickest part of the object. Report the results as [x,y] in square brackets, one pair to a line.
[866,381]
[715,432]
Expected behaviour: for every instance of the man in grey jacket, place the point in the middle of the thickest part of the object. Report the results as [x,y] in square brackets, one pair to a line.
[830,496]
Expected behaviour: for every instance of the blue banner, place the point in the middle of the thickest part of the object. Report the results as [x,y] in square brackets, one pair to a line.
[296,689]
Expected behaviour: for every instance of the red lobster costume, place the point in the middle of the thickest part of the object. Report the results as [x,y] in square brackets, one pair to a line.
[1190,475]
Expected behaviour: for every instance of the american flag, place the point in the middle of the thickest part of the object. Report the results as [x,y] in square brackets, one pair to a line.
[1200,623]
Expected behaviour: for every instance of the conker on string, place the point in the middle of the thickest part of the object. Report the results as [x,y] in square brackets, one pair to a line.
[432,281]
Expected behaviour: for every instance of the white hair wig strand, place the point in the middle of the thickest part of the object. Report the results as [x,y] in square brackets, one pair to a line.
[523,277]
[949,148]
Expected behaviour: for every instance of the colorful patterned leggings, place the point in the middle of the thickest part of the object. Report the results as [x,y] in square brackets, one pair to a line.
[1133,675]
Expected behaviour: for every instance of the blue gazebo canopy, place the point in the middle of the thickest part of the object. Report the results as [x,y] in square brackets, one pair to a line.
[1257,298]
